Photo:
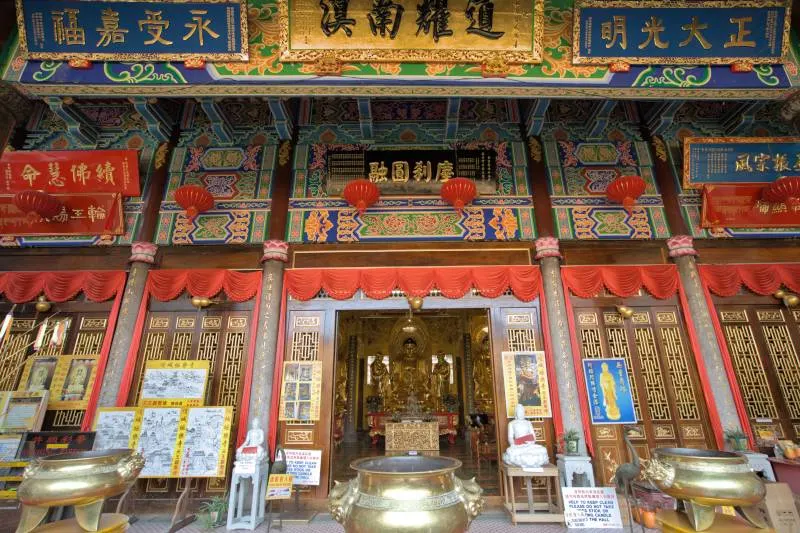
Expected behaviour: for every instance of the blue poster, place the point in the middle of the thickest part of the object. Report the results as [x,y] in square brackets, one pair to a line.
[658,32]
[170,30]
[609,390]
[709,160]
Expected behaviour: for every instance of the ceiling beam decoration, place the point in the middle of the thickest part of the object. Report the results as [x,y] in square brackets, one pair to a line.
[79,128]
[661,115]
[220,125]
[453,114]
[742,117]
[281,118]
[159,123]
[537,114]
[600,117]
[365,119]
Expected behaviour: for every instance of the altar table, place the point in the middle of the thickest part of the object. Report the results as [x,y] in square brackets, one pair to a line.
[408,436]
[447,424]
[552,510]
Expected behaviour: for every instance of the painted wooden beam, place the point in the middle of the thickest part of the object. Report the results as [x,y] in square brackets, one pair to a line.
[365,119]
[159,123]
[79,127]
[281,118]
[661,116]
[220,124]
[536,116]
[600,117]
[453,115]
[742,117]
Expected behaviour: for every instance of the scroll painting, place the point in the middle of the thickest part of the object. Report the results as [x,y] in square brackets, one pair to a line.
[525,383]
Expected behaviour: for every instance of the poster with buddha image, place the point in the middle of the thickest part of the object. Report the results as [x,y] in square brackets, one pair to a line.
[525,383]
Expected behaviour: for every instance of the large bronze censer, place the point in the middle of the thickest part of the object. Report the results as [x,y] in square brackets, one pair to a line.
[704,479]
[406,494]
[83,479]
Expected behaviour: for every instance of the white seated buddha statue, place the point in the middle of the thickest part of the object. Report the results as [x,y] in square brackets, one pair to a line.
[523,450]
[253,442]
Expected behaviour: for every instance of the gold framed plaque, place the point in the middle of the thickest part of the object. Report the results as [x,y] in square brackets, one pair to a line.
[525,382]
[473,31]
[73,382]
[301,391]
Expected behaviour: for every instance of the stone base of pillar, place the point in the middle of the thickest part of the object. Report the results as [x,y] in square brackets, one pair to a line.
[575,471]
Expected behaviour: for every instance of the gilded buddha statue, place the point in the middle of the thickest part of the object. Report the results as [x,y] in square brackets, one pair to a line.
[609,388]
[440,379]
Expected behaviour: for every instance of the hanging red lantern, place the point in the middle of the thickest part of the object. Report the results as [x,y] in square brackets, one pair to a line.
[458,192]
[361,194]
[34,203]
[625,190]
[784,190]
[194,199]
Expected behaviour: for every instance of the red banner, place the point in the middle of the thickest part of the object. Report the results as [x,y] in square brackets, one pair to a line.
[81,214]
[741,206]
[59,172]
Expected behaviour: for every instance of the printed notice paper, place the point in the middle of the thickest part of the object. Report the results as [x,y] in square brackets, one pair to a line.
[591,507]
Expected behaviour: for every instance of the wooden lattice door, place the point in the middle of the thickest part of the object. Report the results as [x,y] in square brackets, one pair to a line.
[217,335]
[763,342]
[668,401]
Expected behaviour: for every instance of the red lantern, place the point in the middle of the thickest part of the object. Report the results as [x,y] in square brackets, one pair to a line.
[194,199]
[39,203]
[458,192]
[361,194]
[625,190]
[784,190]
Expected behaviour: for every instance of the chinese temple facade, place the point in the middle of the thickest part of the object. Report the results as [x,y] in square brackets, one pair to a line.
[360,212]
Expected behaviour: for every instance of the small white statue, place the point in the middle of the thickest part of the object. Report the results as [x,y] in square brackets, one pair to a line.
[522,450]
[254,439]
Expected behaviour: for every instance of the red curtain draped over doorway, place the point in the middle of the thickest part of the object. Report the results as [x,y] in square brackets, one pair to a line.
[625,281]
[378,283]
[165,285]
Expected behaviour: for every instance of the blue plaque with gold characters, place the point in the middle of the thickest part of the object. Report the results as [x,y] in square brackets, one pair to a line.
[609,390]
[680,32]
[120,30]
[726,160]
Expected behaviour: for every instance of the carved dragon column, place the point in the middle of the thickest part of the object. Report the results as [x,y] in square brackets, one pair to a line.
[143,257]
[682,251]
[276,254]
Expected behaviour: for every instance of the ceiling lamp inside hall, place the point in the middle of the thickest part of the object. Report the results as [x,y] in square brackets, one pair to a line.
[194,200]
[784,190]
[626,190]
[40,203]
[459,192]
[361,194]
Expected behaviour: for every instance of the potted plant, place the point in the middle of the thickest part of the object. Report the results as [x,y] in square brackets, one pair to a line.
[738,439]
[214,512]
[569,442]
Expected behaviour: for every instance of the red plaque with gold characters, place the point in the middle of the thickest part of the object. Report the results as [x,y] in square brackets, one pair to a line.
[742,206]
[79,214]
[84,171]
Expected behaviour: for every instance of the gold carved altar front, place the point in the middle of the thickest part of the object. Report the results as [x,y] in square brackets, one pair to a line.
[408,436]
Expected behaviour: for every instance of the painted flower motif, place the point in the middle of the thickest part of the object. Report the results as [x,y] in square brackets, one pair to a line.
[318,225]
[504,223]
[395,225]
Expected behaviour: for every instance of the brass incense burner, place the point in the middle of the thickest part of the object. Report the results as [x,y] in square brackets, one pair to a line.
[83,479]
[408,494]
[704,479]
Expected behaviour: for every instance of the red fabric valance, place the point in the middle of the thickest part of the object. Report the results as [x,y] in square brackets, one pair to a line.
[98,286]
[169,284]
[727,280]
[378,283]
[588,281]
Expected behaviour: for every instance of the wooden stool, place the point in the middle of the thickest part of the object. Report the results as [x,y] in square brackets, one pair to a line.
[675,522]
[551,510]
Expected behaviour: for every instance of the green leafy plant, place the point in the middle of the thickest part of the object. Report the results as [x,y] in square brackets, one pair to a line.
[214,512]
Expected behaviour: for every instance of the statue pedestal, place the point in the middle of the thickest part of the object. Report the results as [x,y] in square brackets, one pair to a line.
[247,482]
[760,464]
[569,465]
[675,522]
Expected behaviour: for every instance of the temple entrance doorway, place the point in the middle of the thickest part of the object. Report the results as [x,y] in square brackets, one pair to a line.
[420,382]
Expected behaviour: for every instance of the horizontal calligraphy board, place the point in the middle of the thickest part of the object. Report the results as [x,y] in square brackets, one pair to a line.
[741,206]
[120,30]
[680,32]
[81,214]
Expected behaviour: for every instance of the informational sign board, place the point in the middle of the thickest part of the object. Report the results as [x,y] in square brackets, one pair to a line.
[46,443]
[304,466]
[174,383]
[591,507]
[22,411]
[301,391]
[741,206]
[279,487]
[609,391]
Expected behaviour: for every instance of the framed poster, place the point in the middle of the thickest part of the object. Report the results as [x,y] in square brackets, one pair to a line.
[114,427]
[205,441]
[73,382]
[157,440]
[10,446]
[45,443]
[22,411]
[525,383]
[609,391]
[301,391]
[174,383]
[37,375]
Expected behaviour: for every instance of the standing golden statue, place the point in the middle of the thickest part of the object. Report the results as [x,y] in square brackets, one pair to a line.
[482,377]
[380,377]
[609,388]
[440,380]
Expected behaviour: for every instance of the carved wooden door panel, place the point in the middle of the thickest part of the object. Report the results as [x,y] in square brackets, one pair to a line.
[666,389]
[763,342]
[218,336]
